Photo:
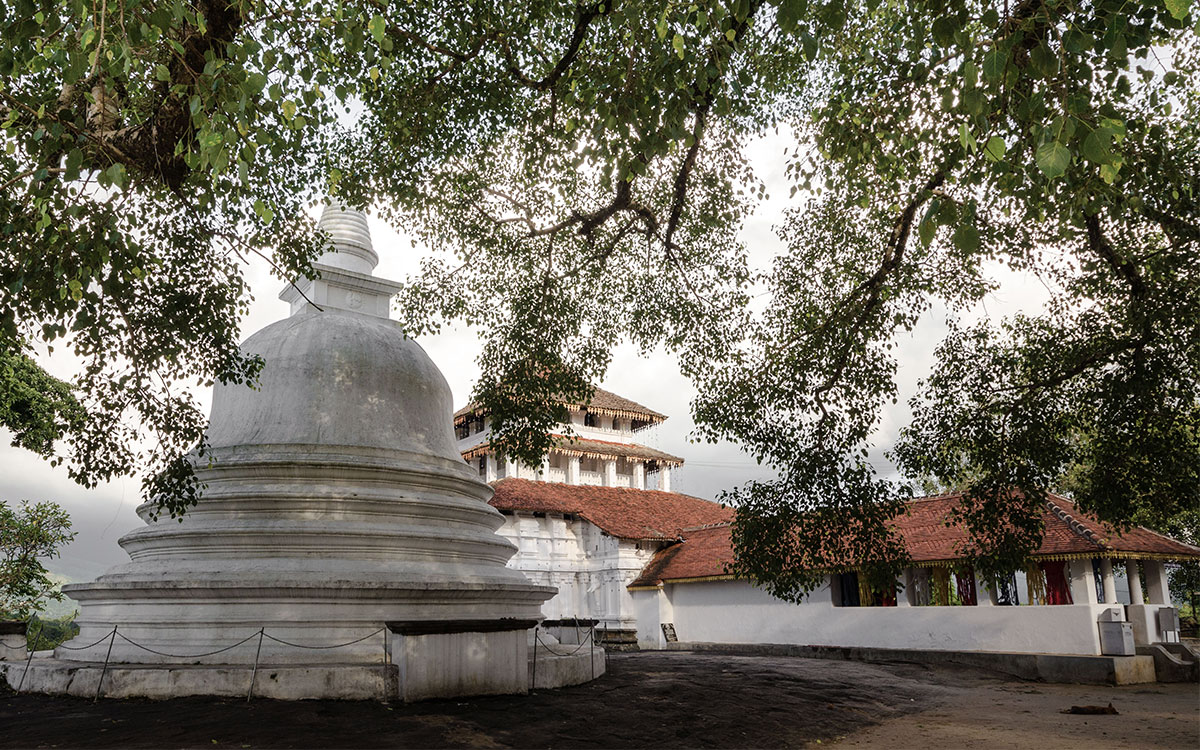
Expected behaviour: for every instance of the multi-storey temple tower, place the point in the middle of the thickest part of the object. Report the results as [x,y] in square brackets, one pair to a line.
[603,450]
[590,518]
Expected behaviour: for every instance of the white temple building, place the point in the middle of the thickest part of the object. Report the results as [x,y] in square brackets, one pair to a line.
[580,522]
[597,521]
[603,450]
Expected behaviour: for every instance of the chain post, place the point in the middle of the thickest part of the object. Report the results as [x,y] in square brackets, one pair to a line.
[533,687]
[254,672]
[29,659]
[112,639]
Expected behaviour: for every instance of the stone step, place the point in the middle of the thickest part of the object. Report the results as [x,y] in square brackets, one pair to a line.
[617,640]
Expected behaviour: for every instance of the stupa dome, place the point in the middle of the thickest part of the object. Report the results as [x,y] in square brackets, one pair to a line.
[338,379]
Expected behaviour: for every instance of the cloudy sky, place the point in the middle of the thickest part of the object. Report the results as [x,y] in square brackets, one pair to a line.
[101,516]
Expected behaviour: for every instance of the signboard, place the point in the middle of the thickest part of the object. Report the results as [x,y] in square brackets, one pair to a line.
[669,632]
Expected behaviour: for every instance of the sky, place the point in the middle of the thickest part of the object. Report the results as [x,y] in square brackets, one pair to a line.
[102,515]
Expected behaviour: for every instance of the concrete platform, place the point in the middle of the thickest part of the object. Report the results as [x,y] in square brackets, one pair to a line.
[1071,668]
[158,681]
[564,666]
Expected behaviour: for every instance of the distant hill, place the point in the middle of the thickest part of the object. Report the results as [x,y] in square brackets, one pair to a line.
[65,608]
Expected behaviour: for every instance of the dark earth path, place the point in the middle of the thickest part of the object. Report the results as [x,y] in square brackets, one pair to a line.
[655,699]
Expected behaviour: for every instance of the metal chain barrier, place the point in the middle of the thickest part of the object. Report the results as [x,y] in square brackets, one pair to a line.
[589,641]
[184,656]
[546,646]
[112,635]
[322,648]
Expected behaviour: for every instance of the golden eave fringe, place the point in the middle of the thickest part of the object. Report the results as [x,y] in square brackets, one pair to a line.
[575,452]
[484,449]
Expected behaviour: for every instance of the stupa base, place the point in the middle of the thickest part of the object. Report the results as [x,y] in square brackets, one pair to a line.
[424,667]
[162,681]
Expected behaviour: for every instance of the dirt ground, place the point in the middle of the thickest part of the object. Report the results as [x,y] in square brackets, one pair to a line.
[660,700]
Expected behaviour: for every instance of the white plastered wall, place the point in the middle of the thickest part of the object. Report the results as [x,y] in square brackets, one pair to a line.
[736,612]
[591,569]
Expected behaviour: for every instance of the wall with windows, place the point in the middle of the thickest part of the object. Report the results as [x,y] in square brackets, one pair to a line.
[736,612]
[726,611]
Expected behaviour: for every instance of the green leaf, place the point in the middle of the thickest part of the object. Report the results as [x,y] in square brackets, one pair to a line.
[1044,60]
[1178,8]
[377,25]
[966,238]
[677,43]
[264,214]
[1097,147]
[1116,126]
[994,149]
[162,73]
[966,138]
[1053,158]
[660,28]
[994,64]
[74,162]
[1109,171]
[116,173]
[927,228]
[943,31]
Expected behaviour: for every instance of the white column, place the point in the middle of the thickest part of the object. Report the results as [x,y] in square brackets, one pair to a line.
[639,475]
[985,591]
[573,470]
[664,478]
[904,598]
[1134,577]
[1156,582]
[610,473]
[510,468]
[1083,582]
[544,472]
[828,592]
[1110,583]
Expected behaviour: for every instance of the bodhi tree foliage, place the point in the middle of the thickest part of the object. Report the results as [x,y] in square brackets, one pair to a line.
[29,533]
[578,172]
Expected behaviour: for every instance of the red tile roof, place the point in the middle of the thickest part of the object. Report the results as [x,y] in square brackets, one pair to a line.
[588,448]
[1068,531]
[704,553]
[618,511]
[603,402]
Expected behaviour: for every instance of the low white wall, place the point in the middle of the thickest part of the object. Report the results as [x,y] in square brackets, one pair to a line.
[736,612]
[1144,618]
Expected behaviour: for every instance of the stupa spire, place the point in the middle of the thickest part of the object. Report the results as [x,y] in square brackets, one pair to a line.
[343,279]
[350,246]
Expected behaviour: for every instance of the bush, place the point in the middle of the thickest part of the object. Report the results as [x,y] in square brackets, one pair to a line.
[50,632]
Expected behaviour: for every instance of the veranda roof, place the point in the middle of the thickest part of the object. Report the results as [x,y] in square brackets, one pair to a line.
[703,554]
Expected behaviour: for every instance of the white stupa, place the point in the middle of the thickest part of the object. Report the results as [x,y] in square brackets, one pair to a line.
[336,502]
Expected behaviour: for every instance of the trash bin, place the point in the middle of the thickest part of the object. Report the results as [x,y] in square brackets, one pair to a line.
[1116,639]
